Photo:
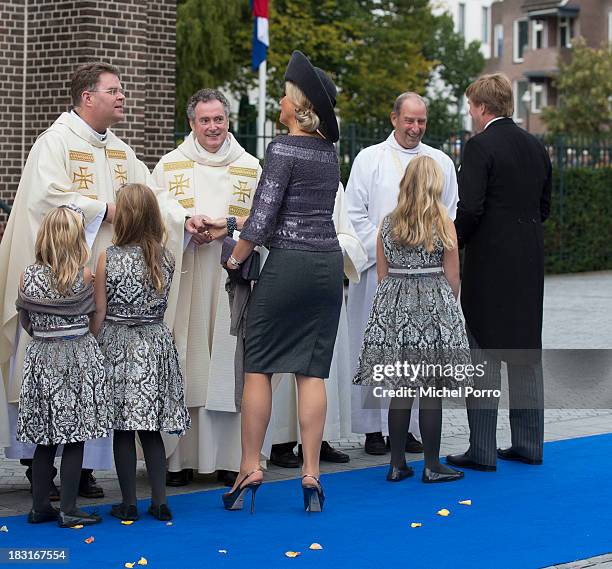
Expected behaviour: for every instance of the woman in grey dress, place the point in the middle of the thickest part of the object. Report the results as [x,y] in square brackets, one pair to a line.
[294,310]
[65,397]
[133,281]
[415,319]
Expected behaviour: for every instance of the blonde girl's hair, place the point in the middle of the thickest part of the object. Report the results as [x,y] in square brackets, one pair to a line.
[306,118]
[61,246]
[138,221]
[420,217]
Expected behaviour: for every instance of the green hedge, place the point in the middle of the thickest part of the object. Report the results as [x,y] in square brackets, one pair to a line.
[578,233]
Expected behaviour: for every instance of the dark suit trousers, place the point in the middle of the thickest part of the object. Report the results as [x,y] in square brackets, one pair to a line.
[526,398]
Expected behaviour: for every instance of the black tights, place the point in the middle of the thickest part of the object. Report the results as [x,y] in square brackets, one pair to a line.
[70,476]
[430,424]
[124,450]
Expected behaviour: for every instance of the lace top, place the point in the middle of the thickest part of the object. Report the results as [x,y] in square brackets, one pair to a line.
[294,201]
[129,291]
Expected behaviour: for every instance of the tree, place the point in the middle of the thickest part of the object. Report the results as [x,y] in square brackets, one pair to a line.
[205,54]
[457,66]
[584,87]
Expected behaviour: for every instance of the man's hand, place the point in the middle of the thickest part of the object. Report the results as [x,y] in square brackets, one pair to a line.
[196,224]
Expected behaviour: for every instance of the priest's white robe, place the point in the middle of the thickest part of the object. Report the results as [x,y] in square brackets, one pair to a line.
[284,421]
[68,164]
[216,185]
[371,193]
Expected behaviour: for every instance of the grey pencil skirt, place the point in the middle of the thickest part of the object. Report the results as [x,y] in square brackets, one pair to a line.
[293,313]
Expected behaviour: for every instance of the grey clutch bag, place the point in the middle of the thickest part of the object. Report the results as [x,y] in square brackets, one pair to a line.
[248,270]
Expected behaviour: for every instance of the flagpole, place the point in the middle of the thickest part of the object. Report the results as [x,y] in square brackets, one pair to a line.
[261,109]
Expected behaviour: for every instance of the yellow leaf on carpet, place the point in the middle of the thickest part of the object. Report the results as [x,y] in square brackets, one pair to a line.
[292,553]
[443,512]
[223,551]
[4,529]
[77,527]
[466,502]
[142,561]
[129,565]
[416,525]
[89,539]
[127,522]
[315,546]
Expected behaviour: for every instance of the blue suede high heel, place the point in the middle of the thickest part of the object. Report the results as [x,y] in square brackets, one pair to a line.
[313,495]
[235,500]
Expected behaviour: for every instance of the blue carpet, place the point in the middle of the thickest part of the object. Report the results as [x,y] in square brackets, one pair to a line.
[522,517]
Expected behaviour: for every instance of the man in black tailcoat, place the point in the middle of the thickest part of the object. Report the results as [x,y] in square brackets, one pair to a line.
[504,196]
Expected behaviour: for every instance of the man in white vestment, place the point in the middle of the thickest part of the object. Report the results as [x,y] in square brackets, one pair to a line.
[77,160]
[338,386]
[209,173]
[371,193]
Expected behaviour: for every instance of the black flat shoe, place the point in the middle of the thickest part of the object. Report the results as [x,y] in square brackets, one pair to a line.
[284,456]
[87,485]
[78,518]
[314,497]
[432,477]
[181,478]
[234,500]
[330,454]
[125,513]
[375,444]
[161,512]
[511,454]
[396,474]
[42,517]
[464,461]
[413,445]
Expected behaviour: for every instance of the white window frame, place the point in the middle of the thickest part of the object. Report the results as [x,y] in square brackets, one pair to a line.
[539,26]
[461,13]
[485,29]
[498,34]
[569,24]
[517,100]
[539,87]
[515,39]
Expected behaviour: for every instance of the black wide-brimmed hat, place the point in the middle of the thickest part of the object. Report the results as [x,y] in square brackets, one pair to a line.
[318,88]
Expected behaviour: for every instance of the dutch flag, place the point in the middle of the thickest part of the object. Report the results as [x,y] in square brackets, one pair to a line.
[261,39]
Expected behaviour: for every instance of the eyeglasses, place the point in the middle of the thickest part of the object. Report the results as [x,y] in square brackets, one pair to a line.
[113,91]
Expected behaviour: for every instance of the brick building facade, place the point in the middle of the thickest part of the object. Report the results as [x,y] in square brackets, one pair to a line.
[528,39]
[43,41]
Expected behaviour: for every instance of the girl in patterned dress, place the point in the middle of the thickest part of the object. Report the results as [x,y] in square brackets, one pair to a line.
[415,320]
[133,280]
[65,398]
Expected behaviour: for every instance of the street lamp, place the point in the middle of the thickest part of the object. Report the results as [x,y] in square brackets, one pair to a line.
[526,100]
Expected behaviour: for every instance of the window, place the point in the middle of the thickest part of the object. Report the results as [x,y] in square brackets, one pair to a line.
[485,25]
[538,97]
[566,32]
[520,111]
[520,39]
[461,19]
[498,40]
[539,38]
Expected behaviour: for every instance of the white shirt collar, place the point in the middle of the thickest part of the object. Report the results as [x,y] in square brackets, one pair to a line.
[392,141]
[492,121]
[221,152]
[100,136]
